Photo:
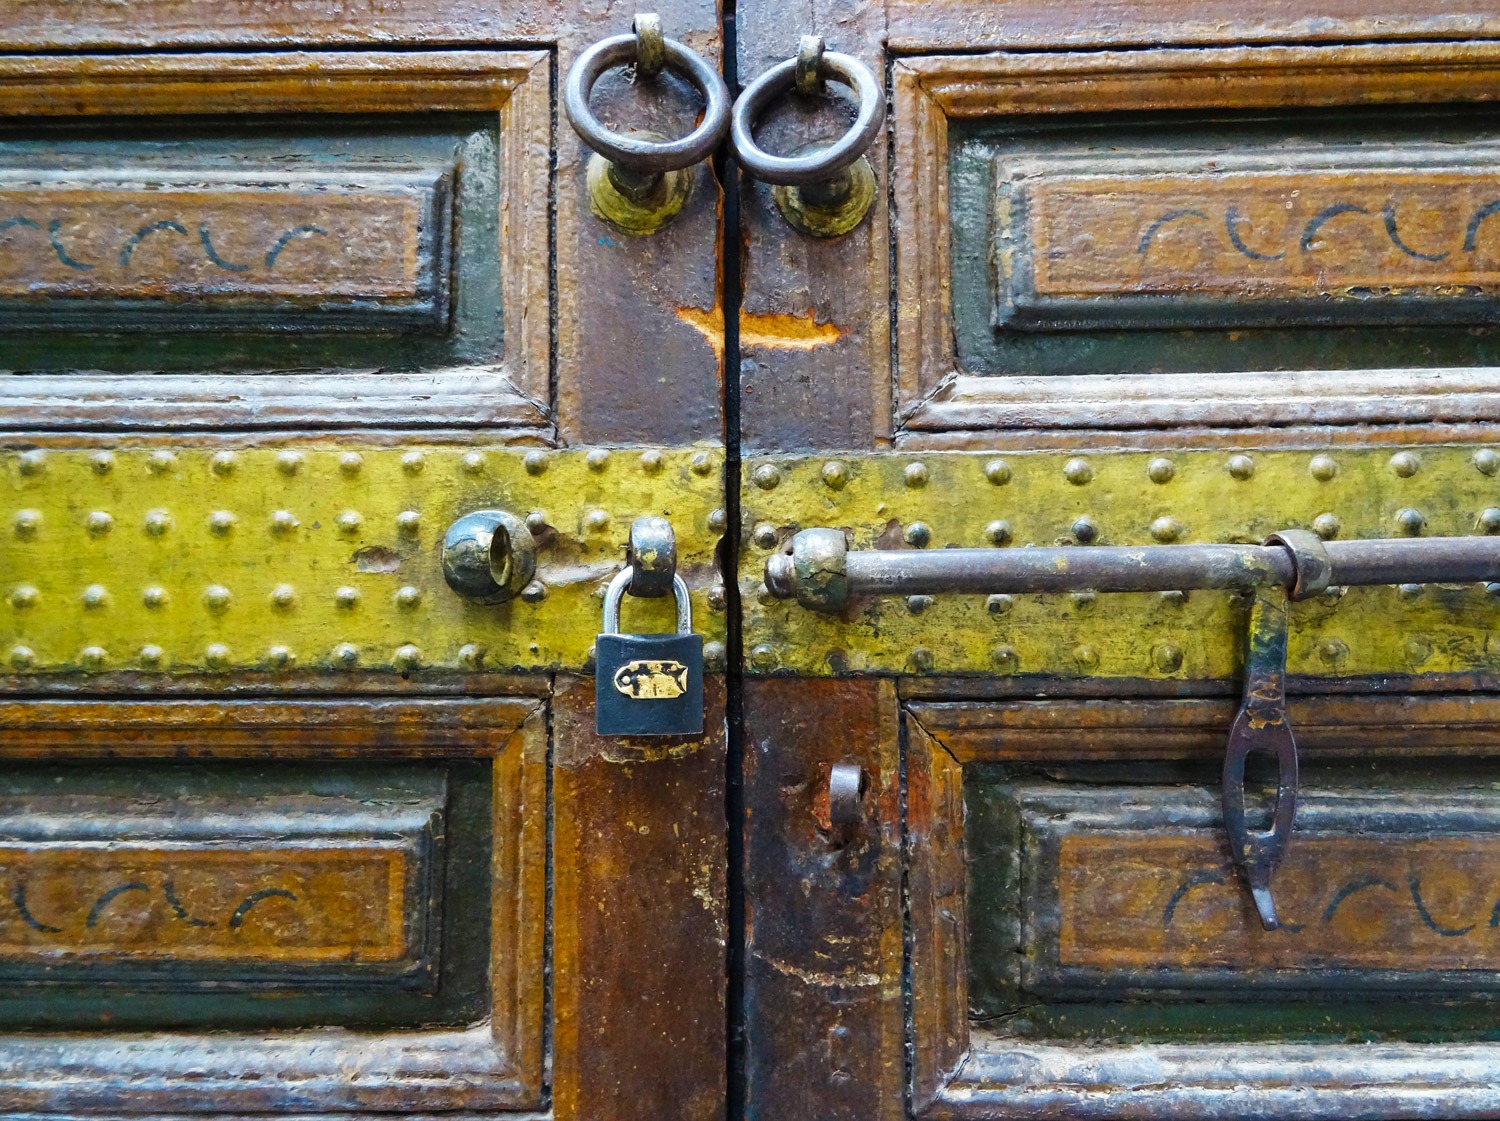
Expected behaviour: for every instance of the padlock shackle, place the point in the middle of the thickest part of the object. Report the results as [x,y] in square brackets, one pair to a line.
[616,591]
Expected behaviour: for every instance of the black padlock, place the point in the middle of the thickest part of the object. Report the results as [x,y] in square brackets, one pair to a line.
[648,684]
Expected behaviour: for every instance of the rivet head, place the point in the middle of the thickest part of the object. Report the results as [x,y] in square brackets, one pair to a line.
[102,462]
[471,655]
[1085,530]
[1489,519]
[1005,659]
[1326,526]
[764,597]
[473,462]
[1166,530]
[1175,598]
[216,597]
[26,522]
[1083,601]
[349,521]
[1078,471]
[534,592]
[92,657]
[998,532]
[412,463]
[1241,467]
[718,520]
[597,459]
[99,523]
[1411,591]
[997,471]
[915,474]
[216,656]
[1417,650]
[35,462]
[345,654]
[701,464]
[350,463]
[1486,461]
[21,657]
[1161,470]
[154,596]
[999,604]
[835,474]
[918,535]
[1167,657]
[1333,650]
[763,657]
[281,657]
[1322,468]
[1333,594]
[764,536]
[23,596]
[536,521]
[407,657]
[1085,658]
[289,462]
[535,462]
[1492,589]
[160,462]
[1405,464]
[596,520]
[283,596]
[718,597]
[715,657]
[283,521]
[651,461]
[408,523]
[1410,521]
[95,596]
[408,596]
[151,655]
[221,521]
[346,597]
[766,476]
[158,522]
[921,660]
[918,604]
[223,463]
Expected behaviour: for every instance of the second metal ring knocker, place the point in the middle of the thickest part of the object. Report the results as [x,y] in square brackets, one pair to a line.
[638,180]
[826,188]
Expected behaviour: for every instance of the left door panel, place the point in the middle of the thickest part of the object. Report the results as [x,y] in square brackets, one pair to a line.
[294,819]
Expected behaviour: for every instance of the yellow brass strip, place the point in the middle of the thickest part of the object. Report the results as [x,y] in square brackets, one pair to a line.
[938,499]
[325,555]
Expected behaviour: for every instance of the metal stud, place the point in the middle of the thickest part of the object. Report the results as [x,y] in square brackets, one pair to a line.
[651,461]
[1333,594]
[997,471]
[93,657]
[1166,529]
[835,474]
[921,660]
[1174,598]
[763,657]
[412,463]
[1005,659]
[1078,472]
[407,658]
[289,462]
[1086,658]
[154,596]
[216,597]
[216,656]
[1161,470]
[998,532]
[535,462]
[1411,591]
[999,604]
[223,463]
[408,523]
[23,596]
[346,654]
[158,522]
[1489,519]
[473,462]
[99,523]
[916,474]
[350,463]
[718,597]
[221,521]
[1085,530]
[536,522]
[1083,601]
[534,592]
[1167,657]
[1486,462]
[1333,650]
[160,462]
[715,657]
[918,535]
[95,596]
[1405,464]
[283,596]
[1326,526]
[26,522]
[918,604]
[408,596]
[766,476]
[32,463]
[349,521]
[596,520]
[346,597]
[281,656]
[1410,521]
[21,657]
[471,655]
[102,462]
[1322,468]
[702,464]
[151,655]
[1417,650]
[764,535]
[718,520]
[597,459]
[283,521]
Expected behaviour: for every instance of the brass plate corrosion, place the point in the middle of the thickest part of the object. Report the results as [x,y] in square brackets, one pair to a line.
[323,555]
[1121,498]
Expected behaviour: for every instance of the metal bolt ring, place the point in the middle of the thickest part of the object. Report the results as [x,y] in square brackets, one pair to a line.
[635,152]
[812,167]
[653,557]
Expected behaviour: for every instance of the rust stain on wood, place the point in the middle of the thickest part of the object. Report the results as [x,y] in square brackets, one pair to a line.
[203,905]
[1358,902]
[766,330]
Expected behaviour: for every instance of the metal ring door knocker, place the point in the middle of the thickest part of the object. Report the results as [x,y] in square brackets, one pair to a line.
[826,188]
[639,181]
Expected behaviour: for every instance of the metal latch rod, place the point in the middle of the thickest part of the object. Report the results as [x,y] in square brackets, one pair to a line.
[821,572]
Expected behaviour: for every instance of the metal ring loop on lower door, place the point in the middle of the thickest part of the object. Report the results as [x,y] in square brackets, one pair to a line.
[639,153]
[811,167]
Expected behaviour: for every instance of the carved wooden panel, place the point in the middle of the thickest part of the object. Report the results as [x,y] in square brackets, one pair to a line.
[1132,889]
[1332,236]
[341,889]
[111,249]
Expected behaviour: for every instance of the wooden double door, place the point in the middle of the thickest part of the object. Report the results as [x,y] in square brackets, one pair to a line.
[1048,405]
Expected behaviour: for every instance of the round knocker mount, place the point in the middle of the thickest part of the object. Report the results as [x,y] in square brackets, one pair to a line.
[639,180]
[825,188]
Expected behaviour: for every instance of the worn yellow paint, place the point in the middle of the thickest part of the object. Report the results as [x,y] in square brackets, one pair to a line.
[1366,631]
[323,555]
[767,330]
